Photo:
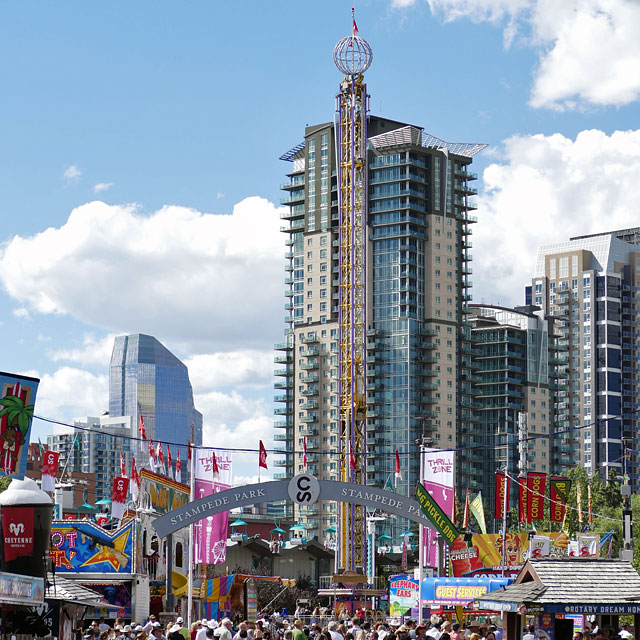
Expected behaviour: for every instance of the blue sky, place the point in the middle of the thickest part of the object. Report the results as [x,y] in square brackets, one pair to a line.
[139,171]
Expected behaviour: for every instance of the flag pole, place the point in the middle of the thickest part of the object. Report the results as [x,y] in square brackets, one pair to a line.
[191,554]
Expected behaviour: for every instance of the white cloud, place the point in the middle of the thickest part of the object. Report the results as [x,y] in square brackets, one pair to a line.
[589,50]
[547,189]
[237,422]
[94,351]
[237,368]
[102,186]
[201,280]
[21,313]
[69,392]
[72,173]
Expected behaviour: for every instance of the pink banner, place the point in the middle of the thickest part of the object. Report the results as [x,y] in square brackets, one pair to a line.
[210,534]
[438,479]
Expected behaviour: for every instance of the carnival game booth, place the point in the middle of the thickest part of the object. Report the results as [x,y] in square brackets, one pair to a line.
[559,592]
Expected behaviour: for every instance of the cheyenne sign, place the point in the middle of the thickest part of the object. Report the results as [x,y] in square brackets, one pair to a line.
[251,494]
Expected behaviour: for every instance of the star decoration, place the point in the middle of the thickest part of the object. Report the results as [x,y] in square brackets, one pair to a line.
[115,556]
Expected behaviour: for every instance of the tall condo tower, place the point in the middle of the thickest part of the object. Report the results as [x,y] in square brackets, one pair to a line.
[352,56]
[378,346]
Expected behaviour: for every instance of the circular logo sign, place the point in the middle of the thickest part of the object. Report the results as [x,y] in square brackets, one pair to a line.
[304,489]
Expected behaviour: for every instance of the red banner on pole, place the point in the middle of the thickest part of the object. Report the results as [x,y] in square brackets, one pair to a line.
[559,493]
[502,484]
[49,470]
[17,532]
[522,499]
[536,483]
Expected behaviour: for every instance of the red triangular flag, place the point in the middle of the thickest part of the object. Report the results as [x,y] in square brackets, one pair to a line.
[178,467]
[398,472]
[262,457]
[143,432]
[123,469]
[189,451]
[135,480]
[214,464]
[160,456]
[354,33]
[152,455]
[169,462]
[467,509]
[352,461]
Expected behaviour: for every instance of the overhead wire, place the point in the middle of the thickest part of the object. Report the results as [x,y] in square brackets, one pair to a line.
[512,441]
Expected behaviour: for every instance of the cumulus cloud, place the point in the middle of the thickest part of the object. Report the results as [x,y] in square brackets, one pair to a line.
[93,351]
[102,186]
[589,51]
[548,189]
[69,392]
[72,173]
[21,313]
[238,422]
[237,369]
[208,282]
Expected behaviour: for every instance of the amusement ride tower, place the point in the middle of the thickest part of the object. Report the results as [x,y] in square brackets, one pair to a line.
[352,55]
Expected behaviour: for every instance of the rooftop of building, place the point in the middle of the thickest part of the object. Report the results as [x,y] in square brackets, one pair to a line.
[606,249]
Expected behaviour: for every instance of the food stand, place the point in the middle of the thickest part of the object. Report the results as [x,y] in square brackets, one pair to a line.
[556,590]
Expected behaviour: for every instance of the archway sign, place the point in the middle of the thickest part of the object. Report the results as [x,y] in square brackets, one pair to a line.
[303,489]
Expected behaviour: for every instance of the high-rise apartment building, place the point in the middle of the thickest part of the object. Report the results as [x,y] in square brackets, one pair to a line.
[590,284]
[419,370]
[521,393]
[95,448]
[146,379]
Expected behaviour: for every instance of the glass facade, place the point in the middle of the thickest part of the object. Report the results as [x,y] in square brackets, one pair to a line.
[147,380]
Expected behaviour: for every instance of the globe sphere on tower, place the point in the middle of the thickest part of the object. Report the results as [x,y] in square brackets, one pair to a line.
[352,55]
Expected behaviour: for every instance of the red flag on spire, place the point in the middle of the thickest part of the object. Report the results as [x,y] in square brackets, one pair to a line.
[214,465]
[160,455]
[123,469]
[134,487]
[398,472]
[152,455]
[304,449]
[352,460]
[355,28]
[189,451]
[143,432]
[467,510]
[169,462]
[178,466]
[262,456]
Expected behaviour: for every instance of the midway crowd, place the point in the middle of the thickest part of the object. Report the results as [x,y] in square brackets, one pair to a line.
[276,627]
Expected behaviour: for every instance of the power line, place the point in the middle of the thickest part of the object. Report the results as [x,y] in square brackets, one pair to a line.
[512,441]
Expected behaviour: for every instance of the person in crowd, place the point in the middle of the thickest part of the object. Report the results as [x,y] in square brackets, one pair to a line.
[333,629]
[298,633]
[156,631]
[126,633]
[173,633]
[226,627]
[455,631]
[530,634]
[148,625]
[625,632]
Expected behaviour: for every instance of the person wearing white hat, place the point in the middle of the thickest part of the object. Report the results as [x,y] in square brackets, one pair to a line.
[201,634]
[174,632]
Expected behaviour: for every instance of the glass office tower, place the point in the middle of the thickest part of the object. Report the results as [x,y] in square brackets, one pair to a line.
[146,379]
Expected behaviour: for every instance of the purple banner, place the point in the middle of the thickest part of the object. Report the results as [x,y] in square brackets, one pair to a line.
[438,480]
[210,534]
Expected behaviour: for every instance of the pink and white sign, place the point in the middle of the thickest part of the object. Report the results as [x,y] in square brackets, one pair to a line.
[210,534]
[438,479]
